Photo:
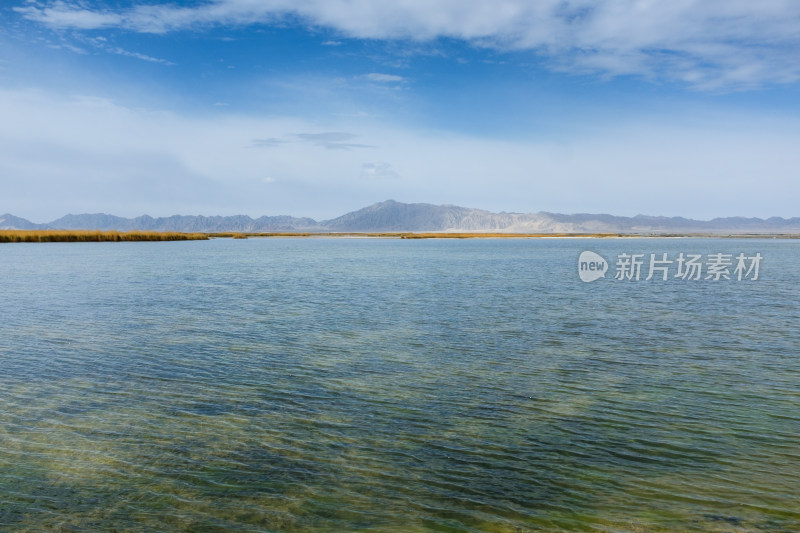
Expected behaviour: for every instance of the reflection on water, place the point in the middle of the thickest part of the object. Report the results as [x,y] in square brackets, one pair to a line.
[386,385]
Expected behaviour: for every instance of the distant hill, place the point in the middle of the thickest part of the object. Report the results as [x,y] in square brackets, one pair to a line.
[183,223]
[396,216]
[11,222]
[392,216]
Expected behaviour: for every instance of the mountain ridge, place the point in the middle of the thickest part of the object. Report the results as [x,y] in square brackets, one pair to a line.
[393,216]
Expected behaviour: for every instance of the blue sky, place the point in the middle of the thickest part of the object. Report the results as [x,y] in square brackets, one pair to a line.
[317,107]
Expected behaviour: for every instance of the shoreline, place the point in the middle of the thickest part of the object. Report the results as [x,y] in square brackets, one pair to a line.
[12,236]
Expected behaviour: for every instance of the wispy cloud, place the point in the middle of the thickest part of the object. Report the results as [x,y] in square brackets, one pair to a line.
[272,142]
[144,57]
[102,44]
[706,43]
[332,140]
[378,171]
[66,46]
[71,15]
[382,78]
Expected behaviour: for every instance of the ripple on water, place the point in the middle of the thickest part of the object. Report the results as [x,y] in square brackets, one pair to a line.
[319,385]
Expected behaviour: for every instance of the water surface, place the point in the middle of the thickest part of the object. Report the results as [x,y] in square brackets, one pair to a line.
[394,385]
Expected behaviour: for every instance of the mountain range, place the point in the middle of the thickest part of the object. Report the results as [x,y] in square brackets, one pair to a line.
[392,216]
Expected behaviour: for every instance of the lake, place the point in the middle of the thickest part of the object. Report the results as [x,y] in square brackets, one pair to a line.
[326,384]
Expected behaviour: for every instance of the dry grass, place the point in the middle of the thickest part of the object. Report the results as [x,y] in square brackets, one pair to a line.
[116,236]
[411,235]
[95,236]
[438,235]
[245,235]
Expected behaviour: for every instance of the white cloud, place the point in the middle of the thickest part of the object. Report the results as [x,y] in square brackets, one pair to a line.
[101,43]
[707,43]
[65,46]
[144,57]
[62,14]
[379,170]
[382,78]
[266,143]
[69,154]
[332,140]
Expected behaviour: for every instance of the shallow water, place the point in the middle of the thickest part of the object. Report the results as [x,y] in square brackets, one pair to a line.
[395,385]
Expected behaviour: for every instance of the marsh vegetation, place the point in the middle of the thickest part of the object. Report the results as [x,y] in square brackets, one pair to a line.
[95,236]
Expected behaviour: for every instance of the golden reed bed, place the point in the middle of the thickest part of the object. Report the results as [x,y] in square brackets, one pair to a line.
[411,235]
[118,236]
[96,236]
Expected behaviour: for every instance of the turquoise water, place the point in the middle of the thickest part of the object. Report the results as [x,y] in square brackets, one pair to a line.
[394,385]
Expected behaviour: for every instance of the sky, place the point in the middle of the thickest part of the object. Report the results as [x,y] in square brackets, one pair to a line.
[319,107]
